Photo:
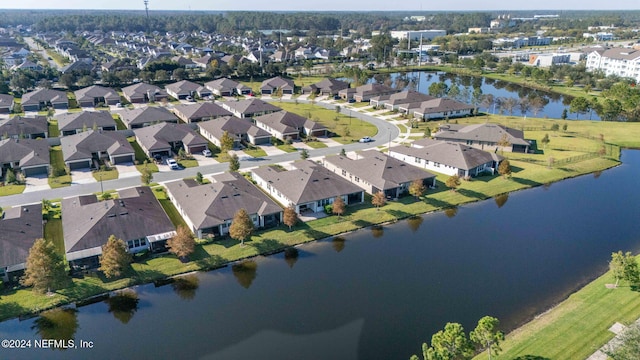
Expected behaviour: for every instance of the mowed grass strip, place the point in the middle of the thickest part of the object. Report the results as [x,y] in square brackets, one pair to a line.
[578,326]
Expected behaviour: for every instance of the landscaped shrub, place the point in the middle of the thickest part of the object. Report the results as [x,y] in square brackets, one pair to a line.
[328,209]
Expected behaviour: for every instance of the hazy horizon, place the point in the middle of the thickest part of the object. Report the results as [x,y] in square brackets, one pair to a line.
[326,5]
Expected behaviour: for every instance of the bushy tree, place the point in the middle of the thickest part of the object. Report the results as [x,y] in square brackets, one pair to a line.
[487,336]
[504,168]
[182,244]
[304,154]
[241,226]
[378,200]
[115,258]
[234,163]
[290,217]
[339,206]
[624,267]
[226,142]
[417,188]
[44,268]
[453,182]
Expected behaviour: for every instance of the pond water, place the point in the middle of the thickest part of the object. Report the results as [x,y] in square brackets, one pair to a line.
[372,294]
[554,103]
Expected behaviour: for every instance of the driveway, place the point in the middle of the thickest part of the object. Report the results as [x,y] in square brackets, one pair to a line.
[203,160]
[127,170]
[272,150]
[82,177]
[329,142]
[35,183]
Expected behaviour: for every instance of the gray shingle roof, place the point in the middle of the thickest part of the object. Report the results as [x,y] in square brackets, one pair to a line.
[184,87]
[20,125]
[481,132]
[441,105]
[140,90]
[233,125]
[378,169]
[250,106]
[447,153]
[159,136]
[278,82]
[87,223]
[91,92]
[80,146]
[224,84]
[26,152]
[21,226]
[74,121]
[329,85]
[287,122]
[404,97]
[146,115]
[308,182]
[212,204]
[198,111]
[44,95]
[6,100]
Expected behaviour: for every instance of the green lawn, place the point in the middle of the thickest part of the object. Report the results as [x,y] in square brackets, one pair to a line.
[578,326]
[111,174]
[168,207]
[57,166]
[255,152]
[187,163]
[53,128]
[347,129]
[6,190]
[316,144]
[53,231]
[119,123]
[286,148]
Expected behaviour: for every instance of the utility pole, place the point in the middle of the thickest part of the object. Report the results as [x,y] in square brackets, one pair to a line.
[146,9]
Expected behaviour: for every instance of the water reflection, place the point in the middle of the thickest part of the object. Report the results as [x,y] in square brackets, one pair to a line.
[377,231]
[501,199]
[123,305]
[414,222]
[245,272]
[451,212]
[291,256]
[338,243]
[57,324]
[185,286]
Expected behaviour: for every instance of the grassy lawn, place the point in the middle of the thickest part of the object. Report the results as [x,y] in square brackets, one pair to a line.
[578,326]
[119,123]
[7,190]
[316,144]
[141,156]
[111,174]
[187,163]
[53,230]
[168,207]
[347,129]
[53,128]
[359,104]
[57,166]
[255,152]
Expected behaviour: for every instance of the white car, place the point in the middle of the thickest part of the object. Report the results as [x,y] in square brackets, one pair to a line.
[173,164]
[206,152]
[365,139]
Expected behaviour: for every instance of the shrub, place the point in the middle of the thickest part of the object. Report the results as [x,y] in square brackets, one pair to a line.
[328,209]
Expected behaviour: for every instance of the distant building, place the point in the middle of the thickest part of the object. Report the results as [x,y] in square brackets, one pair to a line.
[417,34]
[623,62]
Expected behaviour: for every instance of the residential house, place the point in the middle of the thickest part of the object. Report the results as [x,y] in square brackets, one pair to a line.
[273,85]
[43,98]
[21,226]
[309,187]
[287,125]
[185,88]
[27,65]
[241,130]
[91,96]
[204,61]
[209,209]
[73,123]
[326,86]
[227,87]
[135,216]
[6,103]
[393,101]
[142,93]
[374,171]
[623,62]
[145,116]
[25,127]
[489,137]
[184,62]
[78,67]
[447,157]
[192,113]
[248,108]
[86,149]
[366,92]
[165,139]
[438,108]
[27,156]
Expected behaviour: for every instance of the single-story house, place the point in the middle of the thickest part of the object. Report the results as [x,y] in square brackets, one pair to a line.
[308,186]
[81,150]
[393,101]
[490,137]
[249,107]
[284,124]
[438,108]
[93,95]
[29,127]
[165,139]
[192,113]
[227,87]
[447,157]
[271,86]
[21,226]
[31,157]
[181,89]
[326,86]
[374,171]
[43,98]
[73,123]
[366,92]
[142,93]
[6,103]
[145,116]
[240,129]
[209,209]
[135,216]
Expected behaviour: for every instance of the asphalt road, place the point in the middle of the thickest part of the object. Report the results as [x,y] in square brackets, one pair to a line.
[34,48]
[386,132]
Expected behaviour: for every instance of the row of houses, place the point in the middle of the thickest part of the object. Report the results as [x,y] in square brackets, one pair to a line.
[208,209]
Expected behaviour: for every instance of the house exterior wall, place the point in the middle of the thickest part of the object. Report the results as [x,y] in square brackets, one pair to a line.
[442,114]
[275,133]
[345,174]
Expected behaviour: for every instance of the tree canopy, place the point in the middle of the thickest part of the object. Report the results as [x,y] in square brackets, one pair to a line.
[44,268]
[241,226]
[183,243]
[115,259]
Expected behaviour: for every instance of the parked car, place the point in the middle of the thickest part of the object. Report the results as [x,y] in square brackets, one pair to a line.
[189,98]
[351,101]
[206,152]
[119,105]
[365,139]
[173,165]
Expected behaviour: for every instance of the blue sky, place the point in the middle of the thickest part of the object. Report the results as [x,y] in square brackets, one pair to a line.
[324,5]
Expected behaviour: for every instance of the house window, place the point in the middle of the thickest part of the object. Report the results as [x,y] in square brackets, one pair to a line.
[344,172]
[435,164]
[417,160]
[469,142]
[357,179]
